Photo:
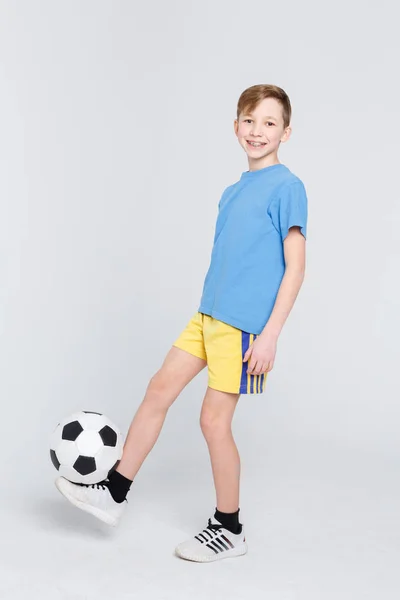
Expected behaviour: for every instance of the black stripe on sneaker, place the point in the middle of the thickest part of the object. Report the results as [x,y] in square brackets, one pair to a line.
[219,540]
[226,539]
[203,537]
[218,545]
[211,548]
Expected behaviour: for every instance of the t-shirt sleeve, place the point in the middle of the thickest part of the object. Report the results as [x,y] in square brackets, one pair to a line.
[223,196]
[289,208]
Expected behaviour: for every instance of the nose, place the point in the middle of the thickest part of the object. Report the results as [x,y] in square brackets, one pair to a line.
[255,130]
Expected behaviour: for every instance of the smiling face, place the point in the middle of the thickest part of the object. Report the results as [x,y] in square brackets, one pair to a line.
[263,126]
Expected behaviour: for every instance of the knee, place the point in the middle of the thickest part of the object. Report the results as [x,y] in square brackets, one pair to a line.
[214,425]
[159,393]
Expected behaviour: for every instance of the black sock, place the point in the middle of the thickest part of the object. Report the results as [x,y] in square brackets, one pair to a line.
[229,520]
[118,486]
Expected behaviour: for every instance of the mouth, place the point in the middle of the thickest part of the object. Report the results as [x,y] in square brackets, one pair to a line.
[255,144]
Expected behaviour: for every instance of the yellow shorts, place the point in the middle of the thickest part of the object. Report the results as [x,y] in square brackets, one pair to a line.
[223,347]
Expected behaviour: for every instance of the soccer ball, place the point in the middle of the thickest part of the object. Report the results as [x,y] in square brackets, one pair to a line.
[85,447]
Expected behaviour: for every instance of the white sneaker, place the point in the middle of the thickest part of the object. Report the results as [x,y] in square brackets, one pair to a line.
[95,499]
[213,543]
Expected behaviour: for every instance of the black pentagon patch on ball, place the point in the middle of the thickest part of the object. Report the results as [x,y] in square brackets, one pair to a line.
[85,465]
[108,435]
[71,431]
[91,412]
[54,459]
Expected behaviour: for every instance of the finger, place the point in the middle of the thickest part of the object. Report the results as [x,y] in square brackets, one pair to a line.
[258,368]
[255,369]
[251,366]
[247,354]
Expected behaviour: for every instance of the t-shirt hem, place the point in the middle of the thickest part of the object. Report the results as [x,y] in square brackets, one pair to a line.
[229,320]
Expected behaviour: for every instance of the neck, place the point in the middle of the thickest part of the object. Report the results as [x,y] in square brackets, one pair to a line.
[267,161]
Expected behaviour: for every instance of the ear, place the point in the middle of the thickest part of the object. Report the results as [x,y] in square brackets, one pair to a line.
[235,126]
[286,134]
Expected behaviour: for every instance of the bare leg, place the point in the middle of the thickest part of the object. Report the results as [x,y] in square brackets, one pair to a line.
[215,420]
[178,369]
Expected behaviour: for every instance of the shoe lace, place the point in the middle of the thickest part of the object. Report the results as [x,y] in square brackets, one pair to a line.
[215,527]
[209,532]
[102,485]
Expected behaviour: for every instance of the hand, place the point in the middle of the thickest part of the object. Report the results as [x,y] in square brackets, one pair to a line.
[261,354]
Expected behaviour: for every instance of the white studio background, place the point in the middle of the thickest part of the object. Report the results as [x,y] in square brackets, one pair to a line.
[116,144]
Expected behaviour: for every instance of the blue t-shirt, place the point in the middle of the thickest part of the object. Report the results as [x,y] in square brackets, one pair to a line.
[247,260]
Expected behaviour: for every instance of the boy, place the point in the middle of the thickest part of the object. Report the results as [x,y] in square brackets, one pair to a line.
[257,268]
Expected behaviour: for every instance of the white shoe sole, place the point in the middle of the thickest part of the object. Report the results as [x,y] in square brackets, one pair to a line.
[92,510]
[239,550]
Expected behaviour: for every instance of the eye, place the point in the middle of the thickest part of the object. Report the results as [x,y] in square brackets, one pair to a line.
[249,121]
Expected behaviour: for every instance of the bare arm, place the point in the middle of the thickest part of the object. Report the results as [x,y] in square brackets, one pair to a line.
[294,247]
[261,354]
